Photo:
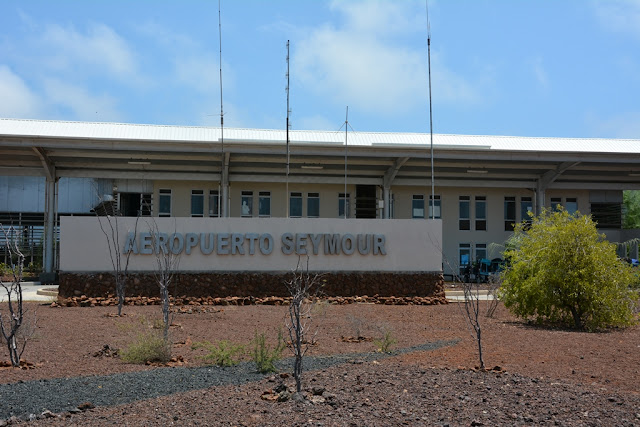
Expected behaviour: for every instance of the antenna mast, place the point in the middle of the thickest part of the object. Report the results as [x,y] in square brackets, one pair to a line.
[223,177]
[431,198]
[288,125]
[346,134]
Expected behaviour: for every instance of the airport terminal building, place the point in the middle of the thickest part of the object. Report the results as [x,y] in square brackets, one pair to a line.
[354,190]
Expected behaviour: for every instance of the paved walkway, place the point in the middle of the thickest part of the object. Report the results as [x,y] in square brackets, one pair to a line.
[455,296]
[34,291]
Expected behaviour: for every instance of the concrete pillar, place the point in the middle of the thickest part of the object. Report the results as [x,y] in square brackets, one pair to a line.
[386,207]
[224,209]
[49,275]
[540,196]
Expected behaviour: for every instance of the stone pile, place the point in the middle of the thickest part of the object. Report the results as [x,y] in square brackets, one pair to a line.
[184,301]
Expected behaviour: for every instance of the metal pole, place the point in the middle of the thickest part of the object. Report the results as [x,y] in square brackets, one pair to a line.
[346,134]
[431,198]
[288,158]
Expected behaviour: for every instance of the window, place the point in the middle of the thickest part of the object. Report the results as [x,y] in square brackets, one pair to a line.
[435,210]
[556,203]
[295,205]
[481,251]
[145,204]
[572,205]
[465,206]
[197,203]
[214,203]
[465,254]
[313,205]
[343,205]
[417,206]
[247,203]
[481,213]
[526,206]
[164,202]
[509,213]
[607,214]
[264,203]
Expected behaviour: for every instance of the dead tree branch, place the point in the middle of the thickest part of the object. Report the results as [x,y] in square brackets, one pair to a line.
[302,287]
[11,325]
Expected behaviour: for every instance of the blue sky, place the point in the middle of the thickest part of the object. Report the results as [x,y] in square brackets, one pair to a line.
[532,68]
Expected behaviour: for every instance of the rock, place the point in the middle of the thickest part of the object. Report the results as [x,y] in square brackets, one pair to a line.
[280,388]
[284,396]
[47,414]
[317,390]
[86,406]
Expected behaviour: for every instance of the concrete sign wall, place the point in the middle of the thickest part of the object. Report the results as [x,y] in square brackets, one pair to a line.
[255,244]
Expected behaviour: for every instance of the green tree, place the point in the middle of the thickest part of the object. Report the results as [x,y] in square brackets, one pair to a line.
[560,270]
[631,201]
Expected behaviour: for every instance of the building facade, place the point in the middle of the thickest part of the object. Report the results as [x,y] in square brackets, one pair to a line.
[482,185]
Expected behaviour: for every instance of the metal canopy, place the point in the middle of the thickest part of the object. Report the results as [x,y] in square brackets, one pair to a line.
[106,150]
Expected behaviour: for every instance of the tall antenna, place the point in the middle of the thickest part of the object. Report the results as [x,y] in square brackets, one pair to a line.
[288,112]
[223,178]
[346,145]
[431,198]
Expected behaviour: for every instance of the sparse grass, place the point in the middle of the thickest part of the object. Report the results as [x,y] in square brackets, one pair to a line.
[149,346]
[222,353]
[265,356]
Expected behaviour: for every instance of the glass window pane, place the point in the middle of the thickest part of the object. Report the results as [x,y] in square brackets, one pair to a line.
[295,205]
[164,204]
[247,203]
[264,203]
[417,206]
[214,206]
[572,205]
[313,205]
[197,203]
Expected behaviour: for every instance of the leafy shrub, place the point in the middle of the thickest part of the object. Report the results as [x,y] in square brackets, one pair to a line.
[147,347]
[222,353]
[560,270]
[385,343]
[265,356]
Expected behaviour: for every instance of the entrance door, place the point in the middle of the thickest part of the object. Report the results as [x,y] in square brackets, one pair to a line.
[365,201]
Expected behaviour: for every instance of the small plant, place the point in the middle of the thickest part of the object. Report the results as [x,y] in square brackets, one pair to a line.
[147,347]
[222,353]
[385,343]
[356,324]
[265,356]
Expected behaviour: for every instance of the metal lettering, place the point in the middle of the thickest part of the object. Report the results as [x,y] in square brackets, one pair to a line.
[364,244]
[192,241]
[252,237]
[350,248]
[266,244]
[301,242]
[378,244]
[207,243]
[236,243]
[316,239]
[287,243]
[176,237]
[223,244]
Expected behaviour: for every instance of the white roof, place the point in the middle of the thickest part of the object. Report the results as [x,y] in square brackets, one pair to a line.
[142,132]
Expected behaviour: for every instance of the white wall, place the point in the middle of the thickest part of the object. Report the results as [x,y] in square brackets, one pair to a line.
[410,245]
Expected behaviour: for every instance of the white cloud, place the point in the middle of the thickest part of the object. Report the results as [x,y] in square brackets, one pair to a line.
[619,15]
[199,72]
[101,46]
[18,100]
[540,72]
[365,63]
[84,105]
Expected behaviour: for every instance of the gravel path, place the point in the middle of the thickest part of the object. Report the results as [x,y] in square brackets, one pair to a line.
[66,394]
